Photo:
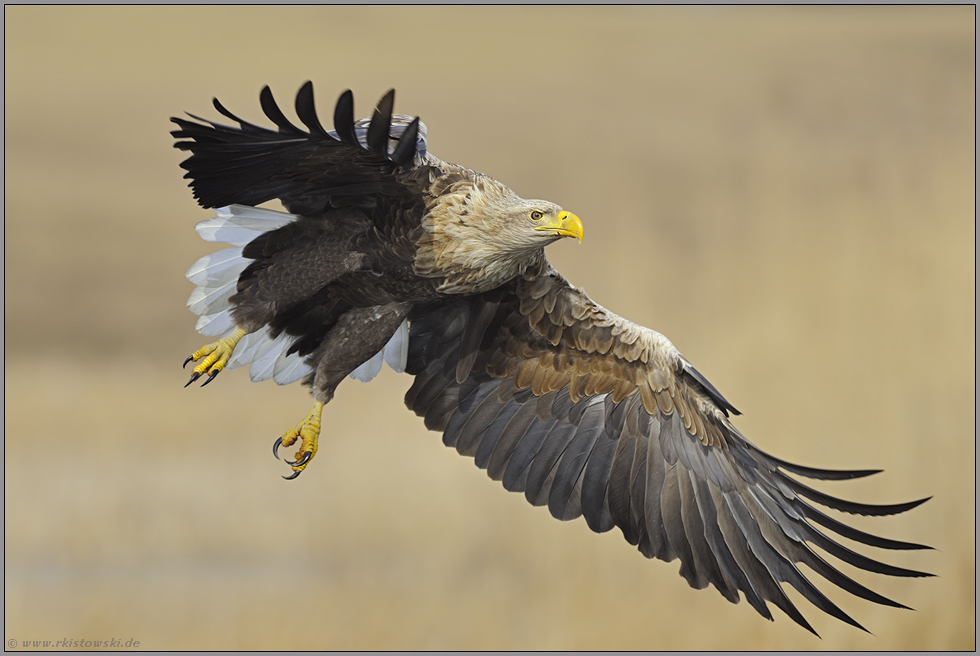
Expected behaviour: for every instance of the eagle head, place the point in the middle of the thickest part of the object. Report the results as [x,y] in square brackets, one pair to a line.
[517,225]
[479,234]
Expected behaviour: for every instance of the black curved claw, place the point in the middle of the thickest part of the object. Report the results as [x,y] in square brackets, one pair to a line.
[293,475]
[211,376]
[194,376]
[189,358]
[275,448]
[305,459]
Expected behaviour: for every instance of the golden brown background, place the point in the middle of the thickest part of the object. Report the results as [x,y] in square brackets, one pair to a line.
[787,194]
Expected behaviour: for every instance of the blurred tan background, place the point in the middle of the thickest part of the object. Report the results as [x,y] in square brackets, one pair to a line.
[787,194]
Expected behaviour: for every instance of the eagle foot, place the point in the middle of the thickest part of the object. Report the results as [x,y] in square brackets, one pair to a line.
[216,355]
[308,432]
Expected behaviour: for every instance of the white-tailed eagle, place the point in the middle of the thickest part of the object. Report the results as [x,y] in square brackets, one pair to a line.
[388,253]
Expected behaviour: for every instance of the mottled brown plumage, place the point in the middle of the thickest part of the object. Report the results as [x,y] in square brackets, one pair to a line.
[579,409]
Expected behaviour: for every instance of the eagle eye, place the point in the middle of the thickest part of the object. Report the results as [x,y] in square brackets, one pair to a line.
[536,215]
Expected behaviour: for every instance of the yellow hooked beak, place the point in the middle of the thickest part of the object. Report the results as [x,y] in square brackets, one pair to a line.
[564,224]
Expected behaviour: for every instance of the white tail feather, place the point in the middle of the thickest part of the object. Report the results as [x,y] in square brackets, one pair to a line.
[239,224]
[369,369]
[263,367]
[290,368]
[211,300]
[218,268]
[216,276]
[215,324]
[395,353]
[275,364]
[268,359]
[252,346]
[396,350]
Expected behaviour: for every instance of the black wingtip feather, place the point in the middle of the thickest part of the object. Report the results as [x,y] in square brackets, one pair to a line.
[844,582]
[271,109]
[859,560]
[221,110]
[823,474]
[343,119]
[306,110]
[405,151]
[377,135]
[874,510]
[857,535]
[245,126]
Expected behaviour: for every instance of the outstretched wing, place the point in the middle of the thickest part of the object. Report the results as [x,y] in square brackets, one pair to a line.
[307,171]
[592,415]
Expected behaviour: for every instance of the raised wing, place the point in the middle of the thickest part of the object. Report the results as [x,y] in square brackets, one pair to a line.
[592,415]
[249,165]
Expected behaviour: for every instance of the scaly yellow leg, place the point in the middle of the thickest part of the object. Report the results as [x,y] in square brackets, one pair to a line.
[218,353]
[308,431]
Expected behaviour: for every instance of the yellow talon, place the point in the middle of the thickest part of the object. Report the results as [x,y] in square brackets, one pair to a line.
[308,432]
[216,355]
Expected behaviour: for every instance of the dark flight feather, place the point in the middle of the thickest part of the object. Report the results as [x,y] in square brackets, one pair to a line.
[377,136]
[306,110]
[343,119]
